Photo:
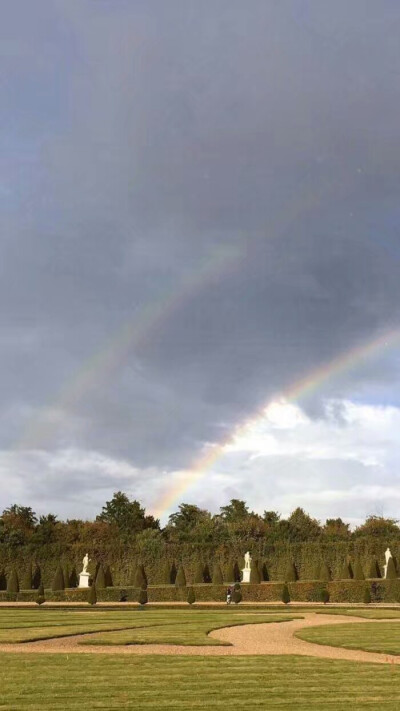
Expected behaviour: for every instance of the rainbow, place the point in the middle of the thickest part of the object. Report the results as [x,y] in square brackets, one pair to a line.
[299,389]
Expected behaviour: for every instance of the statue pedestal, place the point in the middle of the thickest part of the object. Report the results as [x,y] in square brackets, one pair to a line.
[246,575]
[84,580]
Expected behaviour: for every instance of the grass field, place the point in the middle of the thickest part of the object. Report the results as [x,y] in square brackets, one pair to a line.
[383,637]
[127,626]
[369,614]
[55,682]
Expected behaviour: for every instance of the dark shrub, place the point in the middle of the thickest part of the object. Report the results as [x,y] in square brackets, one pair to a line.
[92,595]
[324,595]
[217,577]
[285,595]
[206,574]
[108,577]
[3,579]
[40,599]
[100,578]
[173,573]
[236,570]
[58,581]
[324,573]
[27,583]
[291,574]
[191,598]
[346,572]
[73,578]
[391,573]
[358,573]
[264,572]
[140,578]
[237,594]
[13,582]
[180,580]
[373,571]
[367,596]
[36,577]
[143,598]
[255,573]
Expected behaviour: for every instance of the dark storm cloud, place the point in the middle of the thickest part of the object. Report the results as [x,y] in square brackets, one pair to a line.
[140,139]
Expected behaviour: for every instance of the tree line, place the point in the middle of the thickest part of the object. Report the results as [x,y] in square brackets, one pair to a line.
[125,520]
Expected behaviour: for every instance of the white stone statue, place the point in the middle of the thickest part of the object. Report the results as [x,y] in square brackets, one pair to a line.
[85,563]
[388,555]
[247,561]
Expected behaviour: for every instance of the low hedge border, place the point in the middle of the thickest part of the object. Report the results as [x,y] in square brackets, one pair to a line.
[339,591]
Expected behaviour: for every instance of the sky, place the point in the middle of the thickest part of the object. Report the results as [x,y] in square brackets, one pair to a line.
[199,208]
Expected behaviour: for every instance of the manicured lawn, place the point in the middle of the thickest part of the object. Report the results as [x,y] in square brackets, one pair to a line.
[369,614]
[188,626]
[380,637]
[58,682]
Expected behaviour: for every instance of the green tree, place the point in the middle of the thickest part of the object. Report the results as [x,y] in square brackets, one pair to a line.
[3,579]
[73,578]
[237,594]
[140,577]
[336,528]
[189,523]
[391,573]
[46,530]
[180,581]
[143,597]
[255,574]
[108,577]
[358,573]
[217,577]
[285,595]
[13,582]
[378,527]
[367,596]
[234,511]
[302,526]
[128,516]
[27,583]
[324,596]
[100,578]
[40,598]
[191,598]
[92,595]
[36,577]
[58,580]
[230,573]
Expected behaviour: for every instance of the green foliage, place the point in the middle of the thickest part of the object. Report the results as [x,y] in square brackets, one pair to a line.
[358,573]
[346,572]
[40,598]
[237,594]
[140,577]
[191,598]
[324,573]
[264,572]
[285,595]
[378,526]
[166,573]
[58,580]
[324,596]
[3,579]
[198,573]
[36,577]
[92,595]
[73,578]
[173,573]
[143,597]
[367,596]
[373,571]
[13,582]
[100,578]
[27,582]
[236,571]
[127,516]
[234,511]
[391,572]
[316,572]
[291,573]
[217,577]
[255,573]
[180,580]
[108,577]
[302,526]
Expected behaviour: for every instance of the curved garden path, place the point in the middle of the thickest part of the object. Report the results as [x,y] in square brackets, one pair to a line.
[273,638]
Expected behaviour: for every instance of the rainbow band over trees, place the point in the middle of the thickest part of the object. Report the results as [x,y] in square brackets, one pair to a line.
[304,386]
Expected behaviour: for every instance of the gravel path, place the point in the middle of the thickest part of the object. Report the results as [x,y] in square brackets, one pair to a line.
[266,638]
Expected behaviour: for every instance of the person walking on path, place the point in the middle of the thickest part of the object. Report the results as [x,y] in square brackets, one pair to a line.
[228,595]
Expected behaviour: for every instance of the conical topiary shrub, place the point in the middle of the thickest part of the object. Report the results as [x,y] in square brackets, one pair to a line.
[92,595]
[73,578]
[108,577]
[324,596]
[291,573]
[66,574]
[166,573]
[180,580]
[173,572]
[236,571]
[373,571]
[229,573]
[36,577]
[207,574]
[143,597]
[40,599]
[358,573]
[316,572]
[140,578]
[27,583]
[191,598]
[217,577]
[13,582]
[58,580]
[367,596]
[285,595]
[391,573]
[346,572]
[100,578]
[324,573]
[255,573]
[264,572]
[3,579]
[198,572]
